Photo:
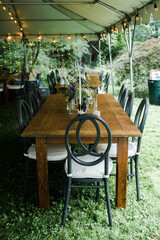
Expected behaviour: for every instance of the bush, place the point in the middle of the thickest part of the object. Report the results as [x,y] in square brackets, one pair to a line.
[146,56]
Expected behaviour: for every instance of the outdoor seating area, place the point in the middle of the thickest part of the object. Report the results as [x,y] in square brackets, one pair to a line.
[79,120]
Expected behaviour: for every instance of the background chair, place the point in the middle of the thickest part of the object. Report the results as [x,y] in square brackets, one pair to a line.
[38,95]
[101,76]
[134,145]
[51,83]
[121,91]
[56,153]
[87,166]
[33,103]
[129,104]
[123,98]
[106,83]
[19,86]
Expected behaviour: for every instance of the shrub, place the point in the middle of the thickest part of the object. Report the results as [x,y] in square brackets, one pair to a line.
[146,56]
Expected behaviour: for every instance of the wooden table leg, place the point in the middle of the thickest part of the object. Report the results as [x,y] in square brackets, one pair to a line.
[5,92]
[121,181]
[42,172]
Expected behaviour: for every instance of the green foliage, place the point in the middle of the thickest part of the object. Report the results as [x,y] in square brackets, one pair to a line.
[146,56]
[87,219]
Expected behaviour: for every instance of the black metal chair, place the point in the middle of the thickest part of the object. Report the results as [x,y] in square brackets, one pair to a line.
[121,91]
[123,98]
[56,153]
[106,83]
[33,103]
[101,76]
[38,95]
[129,104]
[87,166]
[134,145]
[51,83]
[19,86]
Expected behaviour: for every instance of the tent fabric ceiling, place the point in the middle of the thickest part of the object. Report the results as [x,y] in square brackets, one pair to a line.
[51,19]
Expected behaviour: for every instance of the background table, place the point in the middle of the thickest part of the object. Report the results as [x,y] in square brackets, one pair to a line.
[5,80]
[49,126]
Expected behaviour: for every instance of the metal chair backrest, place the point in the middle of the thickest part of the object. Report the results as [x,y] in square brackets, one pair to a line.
[38,95]
[106,84]
[101,76]
[140,119]
[33,103]
[129,104]
[121,91]
[50,83]
[79,123]
[24,114]
[123,98]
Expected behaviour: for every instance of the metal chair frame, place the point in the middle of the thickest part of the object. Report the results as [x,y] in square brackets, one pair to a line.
[123,98]
[121,91]
[33,103]
[129,104]
[73,156]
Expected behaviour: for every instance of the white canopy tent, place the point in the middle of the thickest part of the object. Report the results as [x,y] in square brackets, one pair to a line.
[91,19]
[50,19]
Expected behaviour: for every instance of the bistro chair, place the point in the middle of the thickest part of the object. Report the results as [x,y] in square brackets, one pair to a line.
[106,83]
[123,98]
[87,166]
[121,91]
[101,76]
[133,146]
[51,83]
[33,103]
[20,86]
[129,104]
[38,95]
[56,153]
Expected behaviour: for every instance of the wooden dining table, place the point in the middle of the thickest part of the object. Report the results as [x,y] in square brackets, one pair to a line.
[5,80]
[49,126]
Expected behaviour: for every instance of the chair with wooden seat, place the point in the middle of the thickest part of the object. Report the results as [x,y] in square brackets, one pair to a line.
[133,146]
[129,104]
[121,91]
[56,153]
[87,167]
[123,98]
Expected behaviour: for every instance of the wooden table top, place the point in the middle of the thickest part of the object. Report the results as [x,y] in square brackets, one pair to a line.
[6,78]
[52,120]
[93,81]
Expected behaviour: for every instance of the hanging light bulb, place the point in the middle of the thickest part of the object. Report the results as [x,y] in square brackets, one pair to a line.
[15,21]
[69,37]
[39,37]
[4,8]
[84,36]
[11,18]
[9,13]
[156,7]
[137,17]
[9,37]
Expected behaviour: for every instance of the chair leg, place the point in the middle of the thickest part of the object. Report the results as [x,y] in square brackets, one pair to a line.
[97,192]
[137,178]
[66,201]
[106,183]
[131,168]
[63,180]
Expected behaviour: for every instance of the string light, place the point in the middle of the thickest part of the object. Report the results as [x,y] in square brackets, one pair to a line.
[137,17]
[156,7]
[39,37]
[11,18]
[9,13]
[84,36]
[4,8]
[69,37]
[15,21]
[9,37]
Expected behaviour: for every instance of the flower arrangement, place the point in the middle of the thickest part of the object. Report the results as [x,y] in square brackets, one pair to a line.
[71,92]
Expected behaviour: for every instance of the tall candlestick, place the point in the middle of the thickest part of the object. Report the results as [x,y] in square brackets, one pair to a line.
[80,101]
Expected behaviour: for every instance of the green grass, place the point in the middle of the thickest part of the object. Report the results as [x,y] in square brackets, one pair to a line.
[87,219]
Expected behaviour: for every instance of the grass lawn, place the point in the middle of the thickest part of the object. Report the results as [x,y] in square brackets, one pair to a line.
[22,219]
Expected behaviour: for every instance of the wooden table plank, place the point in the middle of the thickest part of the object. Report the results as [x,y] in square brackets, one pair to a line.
[49,126]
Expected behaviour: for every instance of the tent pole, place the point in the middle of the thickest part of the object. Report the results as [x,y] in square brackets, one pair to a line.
[130,56]
[110,56]
[100,55]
